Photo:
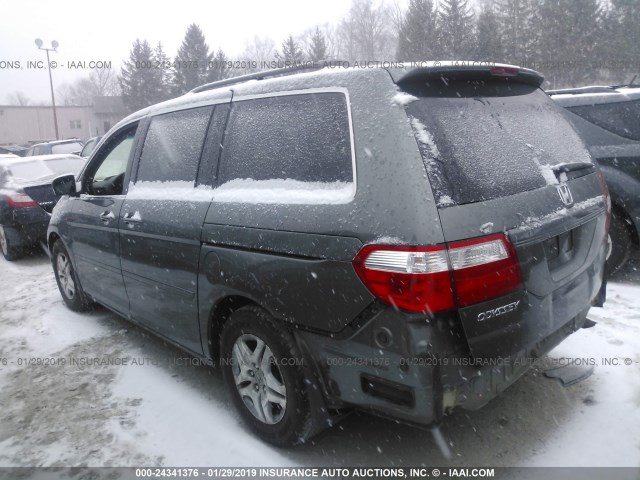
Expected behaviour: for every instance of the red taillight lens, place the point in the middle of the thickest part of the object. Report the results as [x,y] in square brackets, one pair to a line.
[484,268]
[504,71]
[20,200]
[424,279]
[607,201]
[410,278]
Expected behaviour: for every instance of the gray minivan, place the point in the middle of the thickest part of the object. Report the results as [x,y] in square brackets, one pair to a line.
[403,240]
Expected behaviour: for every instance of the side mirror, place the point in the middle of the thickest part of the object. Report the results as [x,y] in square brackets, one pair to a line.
[64,185]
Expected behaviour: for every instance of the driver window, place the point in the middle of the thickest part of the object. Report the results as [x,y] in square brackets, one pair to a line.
[108,178]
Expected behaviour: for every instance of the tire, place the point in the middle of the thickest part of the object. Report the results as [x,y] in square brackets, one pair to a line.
[9,252]
[67,280]
[621,237]
[253,346]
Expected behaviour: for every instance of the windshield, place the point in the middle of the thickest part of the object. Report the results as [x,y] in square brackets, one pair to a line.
[73,147]
[23,172]
[488,140]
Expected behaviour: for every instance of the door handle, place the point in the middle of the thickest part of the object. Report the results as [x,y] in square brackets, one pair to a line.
[107,216]
[132,217]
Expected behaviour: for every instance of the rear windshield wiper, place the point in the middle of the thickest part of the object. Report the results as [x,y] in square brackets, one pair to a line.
[572,167]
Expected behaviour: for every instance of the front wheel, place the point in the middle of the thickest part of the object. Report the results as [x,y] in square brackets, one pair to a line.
[68,284]
[262,367]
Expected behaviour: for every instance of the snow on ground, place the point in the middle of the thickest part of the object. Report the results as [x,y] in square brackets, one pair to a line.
[158,410]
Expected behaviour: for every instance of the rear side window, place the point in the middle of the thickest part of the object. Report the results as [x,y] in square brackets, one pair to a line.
[484,140]
[620,118]
[293,138]
[73,147]
[172,147]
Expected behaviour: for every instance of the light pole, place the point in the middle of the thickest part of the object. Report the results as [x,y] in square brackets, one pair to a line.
[54,45]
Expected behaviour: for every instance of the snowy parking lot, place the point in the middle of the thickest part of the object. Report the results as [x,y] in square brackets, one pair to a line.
[64,405]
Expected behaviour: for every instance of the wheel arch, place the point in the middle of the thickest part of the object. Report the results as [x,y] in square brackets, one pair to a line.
[51,239]
[219,315]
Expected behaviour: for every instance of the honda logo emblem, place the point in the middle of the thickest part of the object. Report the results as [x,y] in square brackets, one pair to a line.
[565,194]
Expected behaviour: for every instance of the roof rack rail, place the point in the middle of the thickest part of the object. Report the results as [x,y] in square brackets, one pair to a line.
[574,91]
[276,72]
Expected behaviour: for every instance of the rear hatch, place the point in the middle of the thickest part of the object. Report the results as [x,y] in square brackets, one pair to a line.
[501,157]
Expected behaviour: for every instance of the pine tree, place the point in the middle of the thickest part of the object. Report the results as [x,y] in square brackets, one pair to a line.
[138,78]
[455,26]
[624,39]
[164,77]
[488,36]
[191,62]
[291,51]
[417,36]
[219,67]
[568,36]
[516,24]
[317,49]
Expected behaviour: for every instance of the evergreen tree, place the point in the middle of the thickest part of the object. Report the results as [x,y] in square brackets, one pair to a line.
[138,78]
[317,49]
[623,29]
[455,26]
[517,33]
[291,51]
[164,77]
[191,62]
[219,67]
[568,36]
[488,36]
[417,36]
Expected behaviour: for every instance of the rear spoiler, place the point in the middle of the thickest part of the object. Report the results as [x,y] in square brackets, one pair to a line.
[452,71]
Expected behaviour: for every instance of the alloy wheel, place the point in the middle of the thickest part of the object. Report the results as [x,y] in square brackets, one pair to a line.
[258,379]
[65,276]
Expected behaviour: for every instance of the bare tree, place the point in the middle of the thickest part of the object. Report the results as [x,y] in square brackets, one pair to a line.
[367,32]
[105,81]
[18,98]
[100,82]
[260,50]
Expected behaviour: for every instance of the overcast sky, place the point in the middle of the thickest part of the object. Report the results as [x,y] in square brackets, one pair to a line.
[103,31]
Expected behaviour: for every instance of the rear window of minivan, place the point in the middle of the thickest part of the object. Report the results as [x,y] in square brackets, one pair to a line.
[482,140]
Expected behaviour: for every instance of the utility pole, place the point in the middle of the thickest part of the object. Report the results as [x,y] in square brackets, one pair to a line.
[54,45]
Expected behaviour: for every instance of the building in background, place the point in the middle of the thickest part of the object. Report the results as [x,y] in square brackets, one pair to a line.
[24,125]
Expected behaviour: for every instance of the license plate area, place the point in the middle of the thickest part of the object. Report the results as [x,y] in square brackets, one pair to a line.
[560,250]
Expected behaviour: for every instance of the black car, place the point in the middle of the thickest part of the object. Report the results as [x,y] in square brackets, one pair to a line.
[608,119]
[403,241]
[72,145]
[27,199]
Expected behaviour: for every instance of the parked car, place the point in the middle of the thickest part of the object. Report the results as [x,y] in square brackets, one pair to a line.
[608,119]
[90,146]
[344,238]
[73,146]
[27,199]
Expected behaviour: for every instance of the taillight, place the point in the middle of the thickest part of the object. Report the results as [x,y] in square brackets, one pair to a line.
[20,200]
[440,278]
[504,71]
[607,201]
[484,268]
[410,278]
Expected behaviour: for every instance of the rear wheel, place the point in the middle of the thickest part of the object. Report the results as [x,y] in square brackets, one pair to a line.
[68,284]
[9,251]
[621,237]
[263,369]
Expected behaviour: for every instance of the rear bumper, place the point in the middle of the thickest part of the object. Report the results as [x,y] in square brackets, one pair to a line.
[28,226]
[415,369]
